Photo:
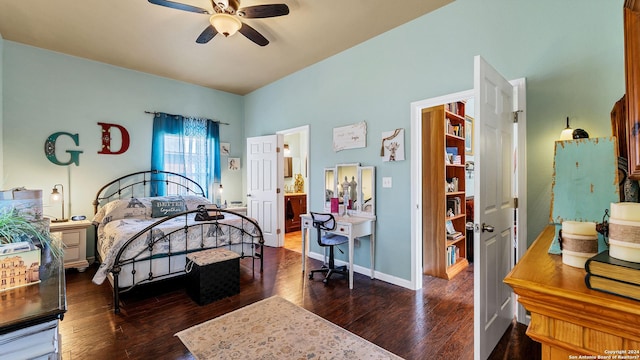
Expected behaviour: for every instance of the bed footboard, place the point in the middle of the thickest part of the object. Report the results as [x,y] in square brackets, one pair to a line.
[163,254]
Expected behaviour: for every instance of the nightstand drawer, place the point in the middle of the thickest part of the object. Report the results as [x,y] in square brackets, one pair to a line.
[71,238]
[71,254]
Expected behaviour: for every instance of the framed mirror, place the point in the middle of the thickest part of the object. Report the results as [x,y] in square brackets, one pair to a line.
[367,202]
[358,182]
[329,187]
[347,179]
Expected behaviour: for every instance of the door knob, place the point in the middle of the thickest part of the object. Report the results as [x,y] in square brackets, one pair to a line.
[486,227]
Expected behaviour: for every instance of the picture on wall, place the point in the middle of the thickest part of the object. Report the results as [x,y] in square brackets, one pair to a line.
[468,135]
[233,164]
[392,145]
[225,149]
[350,137]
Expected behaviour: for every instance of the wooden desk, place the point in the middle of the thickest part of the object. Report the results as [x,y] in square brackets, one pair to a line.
[352,227]
[567,318]
[30,315]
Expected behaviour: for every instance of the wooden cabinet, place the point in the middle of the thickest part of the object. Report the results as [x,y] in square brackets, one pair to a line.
[74,238]
[443,190]
[632,76]
[570,320]
[294,206]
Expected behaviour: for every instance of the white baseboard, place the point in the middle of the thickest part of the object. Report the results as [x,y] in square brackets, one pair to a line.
[367,272]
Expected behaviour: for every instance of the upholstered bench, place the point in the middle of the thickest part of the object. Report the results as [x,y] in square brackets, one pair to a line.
[212,274]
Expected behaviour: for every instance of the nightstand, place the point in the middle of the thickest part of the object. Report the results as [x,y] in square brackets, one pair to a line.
[74,238]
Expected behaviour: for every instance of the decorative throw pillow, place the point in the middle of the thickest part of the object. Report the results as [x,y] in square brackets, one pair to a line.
[162,208]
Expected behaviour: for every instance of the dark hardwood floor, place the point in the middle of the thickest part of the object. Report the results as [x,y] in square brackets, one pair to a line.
[433,323]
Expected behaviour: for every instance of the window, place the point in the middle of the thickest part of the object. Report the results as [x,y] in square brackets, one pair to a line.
[187,146]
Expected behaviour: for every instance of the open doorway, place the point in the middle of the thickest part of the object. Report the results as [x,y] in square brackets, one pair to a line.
[500,179]
[296,183]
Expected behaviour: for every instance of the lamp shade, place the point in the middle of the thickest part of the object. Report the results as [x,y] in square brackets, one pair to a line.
[567,133]
[58,196]
[225,24]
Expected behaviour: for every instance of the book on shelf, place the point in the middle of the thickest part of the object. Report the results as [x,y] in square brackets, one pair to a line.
[455,236]
[453,253]
[606,266]
[611,286]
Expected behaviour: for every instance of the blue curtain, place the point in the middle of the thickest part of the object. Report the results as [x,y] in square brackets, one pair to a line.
[192,150]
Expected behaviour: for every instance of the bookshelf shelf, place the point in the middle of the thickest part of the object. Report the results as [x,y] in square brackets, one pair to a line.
[443,191]
[453,242]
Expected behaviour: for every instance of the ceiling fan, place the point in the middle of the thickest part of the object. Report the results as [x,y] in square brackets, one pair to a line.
[224,18]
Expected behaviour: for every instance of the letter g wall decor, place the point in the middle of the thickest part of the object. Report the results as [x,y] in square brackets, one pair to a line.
[105,136]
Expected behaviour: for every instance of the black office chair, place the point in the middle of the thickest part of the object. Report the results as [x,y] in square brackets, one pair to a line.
[324,222]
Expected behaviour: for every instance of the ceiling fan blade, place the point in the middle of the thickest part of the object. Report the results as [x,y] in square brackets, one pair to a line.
[206,36]
[264,11]
[179,6]
[253,35]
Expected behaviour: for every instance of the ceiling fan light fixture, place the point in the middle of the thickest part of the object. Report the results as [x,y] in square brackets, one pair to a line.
[225,24]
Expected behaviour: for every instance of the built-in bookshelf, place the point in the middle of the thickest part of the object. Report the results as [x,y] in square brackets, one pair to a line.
[443,189]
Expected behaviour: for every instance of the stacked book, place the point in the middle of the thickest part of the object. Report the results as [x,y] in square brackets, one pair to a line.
[614,276]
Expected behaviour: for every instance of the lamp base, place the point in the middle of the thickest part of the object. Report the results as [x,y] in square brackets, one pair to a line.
[59,220]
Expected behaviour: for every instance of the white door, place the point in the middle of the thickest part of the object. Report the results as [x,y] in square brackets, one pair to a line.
[265,201]
[493,218]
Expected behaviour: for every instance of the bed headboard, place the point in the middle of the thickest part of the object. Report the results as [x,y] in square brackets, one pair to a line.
[146,184]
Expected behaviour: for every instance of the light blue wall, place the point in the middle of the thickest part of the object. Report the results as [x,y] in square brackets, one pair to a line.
[47,92]
[570,52]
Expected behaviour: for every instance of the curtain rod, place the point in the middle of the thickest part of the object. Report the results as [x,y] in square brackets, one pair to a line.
[215,121]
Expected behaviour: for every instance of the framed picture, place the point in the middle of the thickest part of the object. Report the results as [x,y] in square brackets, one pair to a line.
[392,145]
[468,135]
[225,149]
[350,136]
[233,164]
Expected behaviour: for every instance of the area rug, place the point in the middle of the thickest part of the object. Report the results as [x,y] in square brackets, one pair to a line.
[275,328]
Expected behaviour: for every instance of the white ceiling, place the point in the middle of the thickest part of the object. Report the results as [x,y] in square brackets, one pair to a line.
[138,35]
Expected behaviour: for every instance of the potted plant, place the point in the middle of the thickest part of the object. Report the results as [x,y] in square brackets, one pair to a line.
[16,228]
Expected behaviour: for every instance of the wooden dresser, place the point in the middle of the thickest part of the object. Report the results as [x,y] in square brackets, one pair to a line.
[567,318]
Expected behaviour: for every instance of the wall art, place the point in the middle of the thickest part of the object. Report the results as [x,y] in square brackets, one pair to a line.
[392,148]
[350,136]
[225,149]
[233,164]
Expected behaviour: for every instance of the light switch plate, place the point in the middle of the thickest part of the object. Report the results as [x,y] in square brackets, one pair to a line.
[386,182]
